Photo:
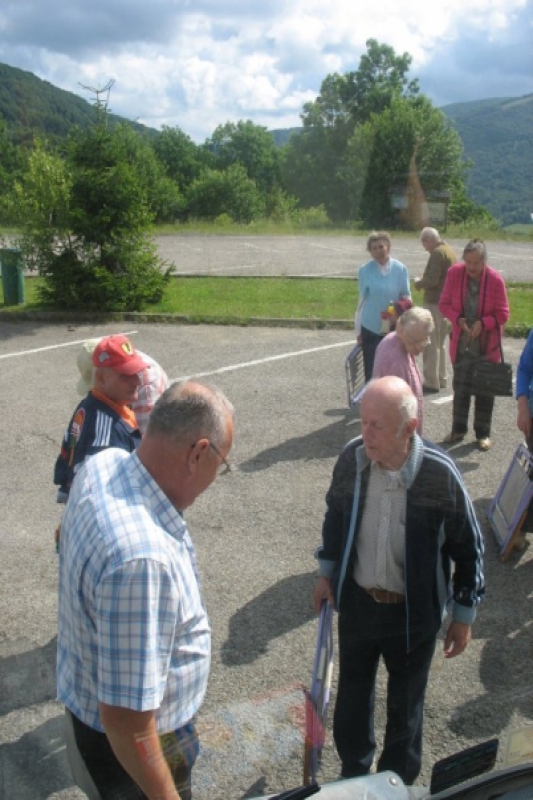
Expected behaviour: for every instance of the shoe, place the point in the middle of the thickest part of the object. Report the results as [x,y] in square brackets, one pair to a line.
[520,543]
[453,437]
[429,390]
[484,443]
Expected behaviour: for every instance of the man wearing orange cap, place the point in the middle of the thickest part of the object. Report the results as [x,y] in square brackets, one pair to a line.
[154,381]
[103,418]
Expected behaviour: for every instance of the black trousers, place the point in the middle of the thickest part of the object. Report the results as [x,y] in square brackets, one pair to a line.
[368,631]
[369,343]
[462,392]
[108,780]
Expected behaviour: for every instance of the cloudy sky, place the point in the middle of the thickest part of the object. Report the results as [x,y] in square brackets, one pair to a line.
[196,64]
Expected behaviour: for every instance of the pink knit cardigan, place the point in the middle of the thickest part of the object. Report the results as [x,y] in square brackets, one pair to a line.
[493,308]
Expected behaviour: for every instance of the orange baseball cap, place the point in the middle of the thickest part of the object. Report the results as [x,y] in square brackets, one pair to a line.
[118,353]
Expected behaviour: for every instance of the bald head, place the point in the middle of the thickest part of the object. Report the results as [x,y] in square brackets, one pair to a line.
[388,421]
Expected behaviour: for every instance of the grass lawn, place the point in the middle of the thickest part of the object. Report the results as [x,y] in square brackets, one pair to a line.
[236,300]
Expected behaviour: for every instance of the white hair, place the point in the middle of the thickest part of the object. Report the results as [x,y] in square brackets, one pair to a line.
[415,318]
[430,233]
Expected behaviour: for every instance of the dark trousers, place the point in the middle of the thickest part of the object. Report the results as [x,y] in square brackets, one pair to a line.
[102,776]
[368,631]
[462,392]
[369,343]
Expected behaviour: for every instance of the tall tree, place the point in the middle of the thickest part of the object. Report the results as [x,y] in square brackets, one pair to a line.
[315,168]
[349,99]
[408,150]
[183,160]
[251,146]
[86,225]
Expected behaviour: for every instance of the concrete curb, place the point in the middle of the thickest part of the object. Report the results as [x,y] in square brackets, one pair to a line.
[312,323]
[172,319]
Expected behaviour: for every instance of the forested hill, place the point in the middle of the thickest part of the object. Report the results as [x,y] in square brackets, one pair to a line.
[33,107]
[497,136]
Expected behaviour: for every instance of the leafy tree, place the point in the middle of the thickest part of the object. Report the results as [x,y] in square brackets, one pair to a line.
[86,224]
[350,99]
[462,210]
[164,198]
[315,167]
[409,149]
[182,159]
[229,192]
[250,145]
[40,202]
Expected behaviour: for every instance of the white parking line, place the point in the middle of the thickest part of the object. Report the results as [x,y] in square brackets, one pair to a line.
[57,346]
[258,361]
[440,401]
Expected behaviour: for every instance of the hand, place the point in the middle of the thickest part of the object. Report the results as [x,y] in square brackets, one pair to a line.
[475,330]
[461,322]
[359,339]
[457,639]
[57,535]
[523,417]
[322,592]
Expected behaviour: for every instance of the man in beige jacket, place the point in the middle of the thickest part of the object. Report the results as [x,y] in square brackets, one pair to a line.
[441,257]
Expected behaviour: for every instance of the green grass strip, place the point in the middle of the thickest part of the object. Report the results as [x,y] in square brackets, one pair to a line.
[226,300]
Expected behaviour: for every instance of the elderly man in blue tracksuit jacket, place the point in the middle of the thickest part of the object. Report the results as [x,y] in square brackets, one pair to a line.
[398,517]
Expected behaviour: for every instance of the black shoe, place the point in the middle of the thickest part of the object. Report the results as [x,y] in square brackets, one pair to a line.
[429,390]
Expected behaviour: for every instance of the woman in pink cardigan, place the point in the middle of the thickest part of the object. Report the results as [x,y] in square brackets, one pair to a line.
[396,353]
[474,299]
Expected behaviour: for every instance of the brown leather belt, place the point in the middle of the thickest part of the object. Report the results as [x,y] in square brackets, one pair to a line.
[384,596]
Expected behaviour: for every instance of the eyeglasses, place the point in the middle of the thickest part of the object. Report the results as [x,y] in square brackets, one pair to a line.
[225,466]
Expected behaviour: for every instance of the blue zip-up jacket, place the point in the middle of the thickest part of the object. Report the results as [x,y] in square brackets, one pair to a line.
[440,528]
[94,426]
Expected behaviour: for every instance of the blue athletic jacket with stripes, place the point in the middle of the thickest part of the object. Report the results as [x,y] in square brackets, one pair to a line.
[94,426]
[443,560]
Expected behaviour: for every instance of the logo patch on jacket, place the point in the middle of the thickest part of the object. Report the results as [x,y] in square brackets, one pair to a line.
[76,428]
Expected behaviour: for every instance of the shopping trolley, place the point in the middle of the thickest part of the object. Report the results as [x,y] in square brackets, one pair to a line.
[355,375]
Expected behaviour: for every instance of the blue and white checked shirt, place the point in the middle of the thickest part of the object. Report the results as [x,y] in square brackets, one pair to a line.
[132,628]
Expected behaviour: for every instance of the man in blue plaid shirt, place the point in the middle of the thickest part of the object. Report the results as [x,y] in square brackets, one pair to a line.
[133,633]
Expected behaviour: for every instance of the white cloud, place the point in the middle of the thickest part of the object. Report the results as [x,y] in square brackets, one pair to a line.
[198,65]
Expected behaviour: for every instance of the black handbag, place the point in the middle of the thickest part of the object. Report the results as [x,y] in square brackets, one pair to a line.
[492,379]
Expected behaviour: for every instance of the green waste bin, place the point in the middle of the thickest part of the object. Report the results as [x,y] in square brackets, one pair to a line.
[12,276]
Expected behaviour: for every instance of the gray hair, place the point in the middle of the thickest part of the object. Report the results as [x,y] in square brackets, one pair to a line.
[415,318]
[430,233]
[378,236]
[476,246]
[188,411]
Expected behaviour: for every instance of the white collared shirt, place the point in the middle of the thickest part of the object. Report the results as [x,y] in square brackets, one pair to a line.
[381,539]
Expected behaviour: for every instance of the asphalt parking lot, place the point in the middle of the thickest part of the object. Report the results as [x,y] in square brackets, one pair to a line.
[255,532]
[317,256]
